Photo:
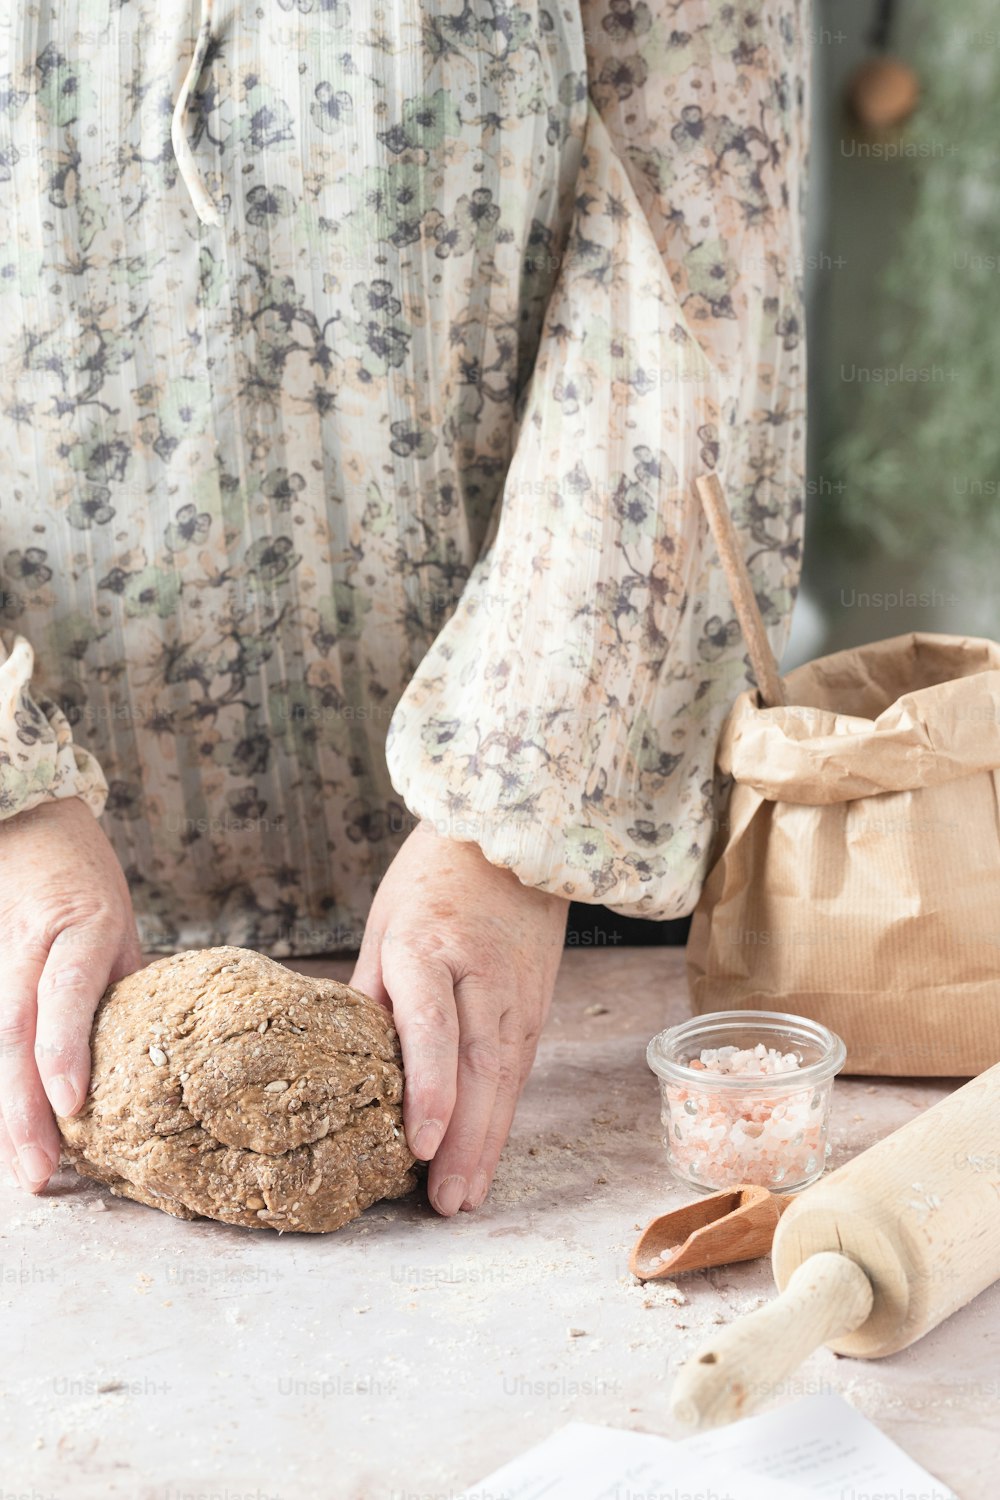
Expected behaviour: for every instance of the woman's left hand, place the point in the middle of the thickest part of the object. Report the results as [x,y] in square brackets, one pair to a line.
[466,957]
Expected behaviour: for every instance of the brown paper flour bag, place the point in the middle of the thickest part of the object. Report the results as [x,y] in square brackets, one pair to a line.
[857,878]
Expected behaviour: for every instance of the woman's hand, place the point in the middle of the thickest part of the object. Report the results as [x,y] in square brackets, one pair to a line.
[466,956]
[66,931]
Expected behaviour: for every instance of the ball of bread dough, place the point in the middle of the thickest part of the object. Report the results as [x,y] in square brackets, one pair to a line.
[223,1084]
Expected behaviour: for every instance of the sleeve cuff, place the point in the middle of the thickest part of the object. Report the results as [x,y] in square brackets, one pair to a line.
[39,759]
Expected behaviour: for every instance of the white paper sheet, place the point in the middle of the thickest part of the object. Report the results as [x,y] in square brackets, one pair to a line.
[582,1462]
[823,1446]
[817,1448]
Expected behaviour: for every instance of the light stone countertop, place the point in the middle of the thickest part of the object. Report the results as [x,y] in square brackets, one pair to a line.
[407,1356]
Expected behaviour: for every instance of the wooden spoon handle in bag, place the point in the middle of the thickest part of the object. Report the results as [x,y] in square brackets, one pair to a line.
[762,659]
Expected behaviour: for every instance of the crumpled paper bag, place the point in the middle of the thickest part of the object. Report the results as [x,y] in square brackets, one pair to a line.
[857,875]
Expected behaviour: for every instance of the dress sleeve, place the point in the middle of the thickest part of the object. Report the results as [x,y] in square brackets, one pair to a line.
[39,760]
[566,717]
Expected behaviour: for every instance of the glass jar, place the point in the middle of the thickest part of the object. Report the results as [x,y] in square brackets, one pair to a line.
[767,1129]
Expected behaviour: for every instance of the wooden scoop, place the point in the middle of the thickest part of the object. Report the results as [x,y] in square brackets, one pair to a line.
[737,1224]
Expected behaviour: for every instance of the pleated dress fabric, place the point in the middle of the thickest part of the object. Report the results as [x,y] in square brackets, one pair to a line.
[356,363]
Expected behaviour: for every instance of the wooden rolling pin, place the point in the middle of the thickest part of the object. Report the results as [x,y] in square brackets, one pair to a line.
[868,1259]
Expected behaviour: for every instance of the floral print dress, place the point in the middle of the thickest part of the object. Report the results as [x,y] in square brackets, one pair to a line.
[357,358]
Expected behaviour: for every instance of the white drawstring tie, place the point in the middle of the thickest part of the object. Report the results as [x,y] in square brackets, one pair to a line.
[203,205]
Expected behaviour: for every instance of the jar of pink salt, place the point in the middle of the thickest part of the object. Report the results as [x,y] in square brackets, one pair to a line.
[745,1098]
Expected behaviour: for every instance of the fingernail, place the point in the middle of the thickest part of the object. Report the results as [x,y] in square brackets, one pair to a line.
[428,1139]
[64,1096]
[480,1187]
[36,1168]
[450,1195]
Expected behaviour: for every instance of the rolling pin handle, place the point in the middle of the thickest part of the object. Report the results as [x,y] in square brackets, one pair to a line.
[828,1296]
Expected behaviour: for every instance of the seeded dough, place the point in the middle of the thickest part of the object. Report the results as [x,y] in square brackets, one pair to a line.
[225,1085]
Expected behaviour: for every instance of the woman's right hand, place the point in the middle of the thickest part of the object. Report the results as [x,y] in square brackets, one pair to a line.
[66,932]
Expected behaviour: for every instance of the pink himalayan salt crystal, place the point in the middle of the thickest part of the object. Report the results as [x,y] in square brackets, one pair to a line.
[750,1060]
[722,1137]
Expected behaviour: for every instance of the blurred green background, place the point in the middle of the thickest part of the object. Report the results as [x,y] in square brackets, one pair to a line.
[903,282]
